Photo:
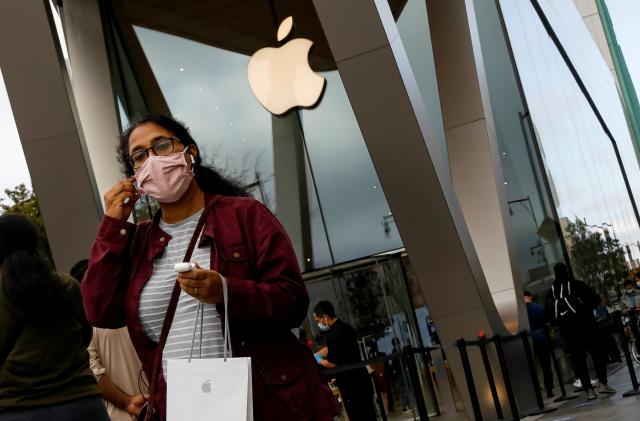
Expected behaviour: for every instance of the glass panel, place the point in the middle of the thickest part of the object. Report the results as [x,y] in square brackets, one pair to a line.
[233,129]
[354,205]
[205,84]
[374,300]
[579,156]
[413,27]
[532,228]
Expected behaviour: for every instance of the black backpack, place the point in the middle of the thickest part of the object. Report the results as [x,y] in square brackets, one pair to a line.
[566,302]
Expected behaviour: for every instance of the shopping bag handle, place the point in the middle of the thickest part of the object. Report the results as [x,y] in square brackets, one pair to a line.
[226,352]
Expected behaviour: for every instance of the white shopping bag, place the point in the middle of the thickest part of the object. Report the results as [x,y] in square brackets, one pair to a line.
[210,389]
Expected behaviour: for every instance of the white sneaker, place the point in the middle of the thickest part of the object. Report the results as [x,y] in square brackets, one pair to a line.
[606,390]
[577,385]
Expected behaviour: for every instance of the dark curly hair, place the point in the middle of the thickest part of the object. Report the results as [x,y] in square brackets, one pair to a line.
[209,180]
[28,282]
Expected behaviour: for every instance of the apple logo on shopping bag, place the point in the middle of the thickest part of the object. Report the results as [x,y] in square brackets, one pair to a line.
[206,387]
[281,78]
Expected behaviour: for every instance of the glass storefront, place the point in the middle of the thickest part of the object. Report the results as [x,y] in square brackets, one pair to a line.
[203,79]
[582,166]
[373,296]
[530,219]
[191,60]
[201,74]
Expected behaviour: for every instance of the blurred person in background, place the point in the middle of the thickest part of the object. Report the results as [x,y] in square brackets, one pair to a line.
[630,305]
[538,327]
[44,363]
[116,366]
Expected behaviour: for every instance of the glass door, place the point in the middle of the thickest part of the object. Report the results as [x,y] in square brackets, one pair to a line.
[373,298]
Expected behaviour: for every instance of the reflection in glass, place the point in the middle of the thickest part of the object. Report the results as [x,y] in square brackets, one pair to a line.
[207,87]
[531,228]
[579,156]
[354,206]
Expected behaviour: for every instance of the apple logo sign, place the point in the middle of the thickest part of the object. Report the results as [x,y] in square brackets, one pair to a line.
[206,387]
[281,78]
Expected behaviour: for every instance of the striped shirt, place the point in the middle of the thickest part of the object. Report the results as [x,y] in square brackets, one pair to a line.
[156,294]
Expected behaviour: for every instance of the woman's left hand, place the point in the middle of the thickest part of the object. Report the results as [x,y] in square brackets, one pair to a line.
[203,284]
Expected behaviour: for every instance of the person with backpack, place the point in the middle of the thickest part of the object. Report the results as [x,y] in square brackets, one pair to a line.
[572,304]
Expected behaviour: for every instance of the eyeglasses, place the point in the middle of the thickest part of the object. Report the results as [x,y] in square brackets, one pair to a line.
[163,146]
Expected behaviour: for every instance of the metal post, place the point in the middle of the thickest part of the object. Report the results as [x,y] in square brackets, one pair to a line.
[468,375]
[507,378]
[532,368]
[524,335]
[432,387]
[627,357]
[415,383]
[585,92]
[492,383]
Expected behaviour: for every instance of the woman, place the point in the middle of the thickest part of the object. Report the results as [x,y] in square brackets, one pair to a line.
[44,363]
[130,275]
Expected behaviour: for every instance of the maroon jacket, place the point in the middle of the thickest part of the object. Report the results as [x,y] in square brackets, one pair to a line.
[267,298]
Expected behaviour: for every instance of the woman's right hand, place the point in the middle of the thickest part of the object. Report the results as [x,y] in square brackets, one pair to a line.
[121,199]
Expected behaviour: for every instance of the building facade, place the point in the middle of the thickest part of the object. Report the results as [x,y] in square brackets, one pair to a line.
[422,192]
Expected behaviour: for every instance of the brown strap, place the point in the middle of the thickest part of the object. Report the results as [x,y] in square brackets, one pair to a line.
[168,318]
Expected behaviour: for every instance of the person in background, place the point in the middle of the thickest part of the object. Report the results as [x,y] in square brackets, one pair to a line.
[342,349]
[572,305]
[606,323]
[116,366]
[397,374]
[541,346]
[630,305]
[44,363]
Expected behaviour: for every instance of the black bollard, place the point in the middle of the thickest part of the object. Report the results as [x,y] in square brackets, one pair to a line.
[513,405]
[432,387]
[627,357]
[556,366]
[466,366]
[415,383]
[492,383]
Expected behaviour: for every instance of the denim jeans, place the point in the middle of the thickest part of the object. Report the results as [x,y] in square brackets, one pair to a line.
[92,408]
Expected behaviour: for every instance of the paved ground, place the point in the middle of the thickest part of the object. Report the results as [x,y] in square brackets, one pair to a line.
[612,408]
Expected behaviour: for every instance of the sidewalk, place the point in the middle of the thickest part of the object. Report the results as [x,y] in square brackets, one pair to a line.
[612,408]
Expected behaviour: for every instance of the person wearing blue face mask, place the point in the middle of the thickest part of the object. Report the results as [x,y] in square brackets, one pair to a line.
[630,305]
[342,348]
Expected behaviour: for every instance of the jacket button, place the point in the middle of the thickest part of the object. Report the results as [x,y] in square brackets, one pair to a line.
[236,254]
[243,344]
[123,231]
[284,377]
[162,239]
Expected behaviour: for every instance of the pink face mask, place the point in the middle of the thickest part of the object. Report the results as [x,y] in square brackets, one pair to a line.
[166,178]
